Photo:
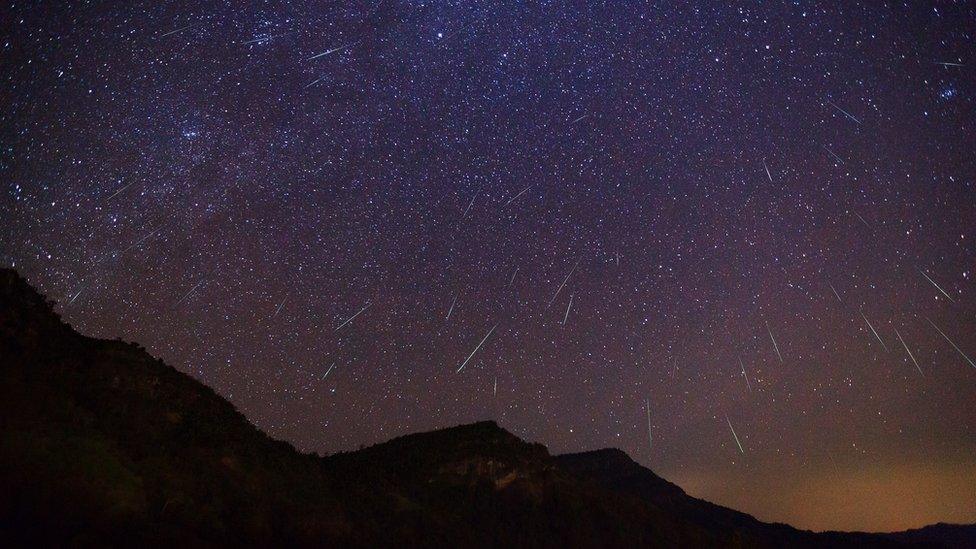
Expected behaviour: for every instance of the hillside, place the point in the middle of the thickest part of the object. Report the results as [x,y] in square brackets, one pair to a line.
[101,444]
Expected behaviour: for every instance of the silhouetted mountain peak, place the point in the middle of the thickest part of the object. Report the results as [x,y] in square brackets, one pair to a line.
[485,432]
[484,438]
[476,454]
[12,283]
[25,315]
[602,458]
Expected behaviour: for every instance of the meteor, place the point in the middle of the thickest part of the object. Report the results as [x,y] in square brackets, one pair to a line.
[328,371]
[471,203]
[650,439]
[181,29]
[350,319]
[451,310]
[76,295]
[334,50]
[313,82]
[280,305]
[775,346]
[510,200]
[568,307]
[873,331]
[835,292]
[262,39]
[120,190]
[909,351]
[736,437]
[837,158]
[461,367]
[187,294]
[849,115]
[141,240]
[969,360]
[749,385]
[934,284]
[563,284]
[257,40]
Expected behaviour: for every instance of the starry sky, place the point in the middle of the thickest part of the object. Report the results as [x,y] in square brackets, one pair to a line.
[735,240]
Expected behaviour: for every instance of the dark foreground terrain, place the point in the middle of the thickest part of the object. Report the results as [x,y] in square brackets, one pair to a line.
[101,444]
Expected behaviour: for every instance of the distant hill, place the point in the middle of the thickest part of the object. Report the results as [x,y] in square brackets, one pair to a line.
[945,535]
[101,444]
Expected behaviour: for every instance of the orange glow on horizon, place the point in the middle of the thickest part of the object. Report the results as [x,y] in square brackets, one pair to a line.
[882,498]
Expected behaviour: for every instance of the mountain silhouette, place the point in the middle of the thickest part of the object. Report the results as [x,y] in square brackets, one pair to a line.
[102,444]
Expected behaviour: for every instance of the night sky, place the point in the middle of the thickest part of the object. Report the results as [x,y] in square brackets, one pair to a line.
[672,230]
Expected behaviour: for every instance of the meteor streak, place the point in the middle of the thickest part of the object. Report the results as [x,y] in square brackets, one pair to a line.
[350,319]
[313,82]
[969,360]
[451,310]
[934,284]
[76,295]
[835,292]
[837,158]
[510,200]
[280,305]
[261,39]
[775,346]
[465,214]
[334,50]
[736,437]
[181,29]
[749,385]
[862,220]
[650,439]
[120,190]
[187,294]
[849,115]
[875,332]
[909,351]
[461,367]
[563,284]
[568,307]
[141,240]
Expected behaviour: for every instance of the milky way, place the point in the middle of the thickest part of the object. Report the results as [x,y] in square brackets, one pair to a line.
[751,227]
